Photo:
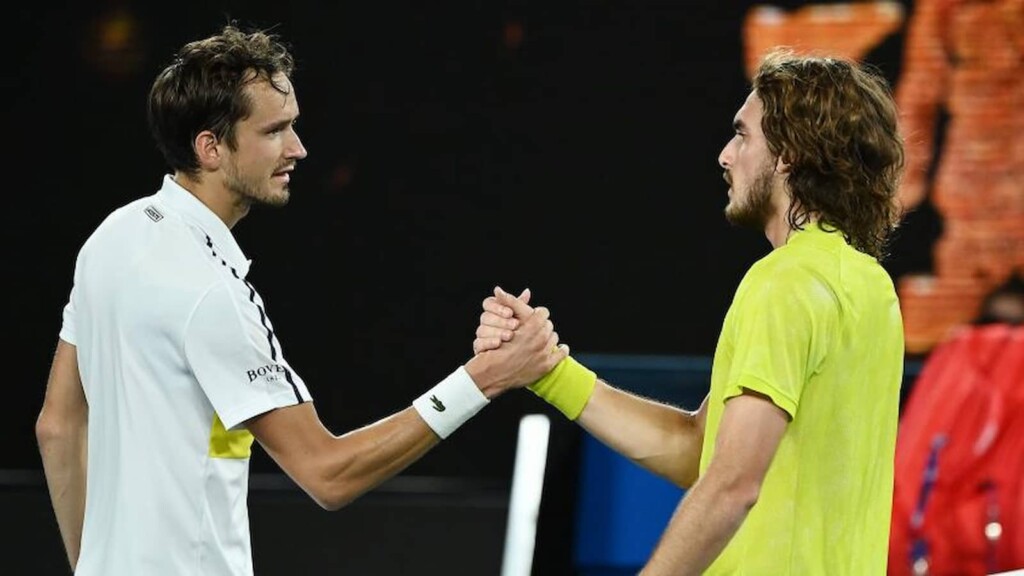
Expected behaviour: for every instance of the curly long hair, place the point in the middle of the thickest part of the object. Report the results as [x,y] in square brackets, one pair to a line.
[203,88]
[835,123]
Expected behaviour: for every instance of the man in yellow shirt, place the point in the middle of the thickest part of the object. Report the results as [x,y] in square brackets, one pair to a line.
[788,462]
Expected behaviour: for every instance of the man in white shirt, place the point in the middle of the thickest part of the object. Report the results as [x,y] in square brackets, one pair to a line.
[167,367]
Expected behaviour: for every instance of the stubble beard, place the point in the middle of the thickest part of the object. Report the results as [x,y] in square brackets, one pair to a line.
[249,189]
[755,210]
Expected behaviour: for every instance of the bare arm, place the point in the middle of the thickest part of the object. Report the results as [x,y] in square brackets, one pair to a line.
[713,510]
[663,439]
[335,470]
[61,431]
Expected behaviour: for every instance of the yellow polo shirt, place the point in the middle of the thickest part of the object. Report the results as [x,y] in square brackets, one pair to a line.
[815,325]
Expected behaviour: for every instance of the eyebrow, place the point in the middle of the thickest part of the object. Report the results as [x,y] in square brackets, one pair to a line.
[280,124]
[738,124]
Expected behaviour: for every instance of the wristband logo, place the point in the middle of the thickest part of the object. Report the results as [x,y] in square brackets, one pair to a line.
[438,405]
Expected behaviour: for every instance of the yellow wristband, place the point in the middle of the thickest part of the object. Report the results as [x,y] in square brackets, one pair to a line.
[567,387]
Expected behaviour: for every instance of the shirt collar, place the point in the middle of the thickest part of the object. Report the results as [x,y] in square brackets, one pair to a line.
[813,234]
[193,210]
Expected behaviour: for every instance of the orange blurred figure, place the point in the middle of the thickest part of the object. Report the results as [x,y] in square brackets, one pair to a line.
[839,30]
[966,59]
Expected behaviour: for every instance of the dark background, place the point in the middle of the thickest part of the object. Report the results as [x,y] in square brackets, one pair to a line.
[448,153]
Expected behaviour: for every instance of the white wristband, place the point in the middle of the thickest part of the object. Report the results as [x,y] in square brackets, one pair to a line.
[450,403]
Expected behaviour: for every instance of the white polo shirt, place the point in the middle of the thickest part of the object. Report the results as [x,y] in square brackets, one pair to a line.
[176,351]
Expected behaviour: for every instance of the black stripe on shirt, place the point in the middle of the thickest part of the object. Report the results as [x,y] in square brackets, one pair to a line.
[264,319]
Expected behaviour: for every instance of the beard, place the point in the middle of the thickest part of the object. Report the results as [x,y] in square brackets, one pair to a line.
[753,209]
[253,190]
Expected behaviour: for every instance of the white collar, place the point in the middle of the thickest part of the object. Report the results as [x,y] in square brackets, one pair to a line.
[191,208]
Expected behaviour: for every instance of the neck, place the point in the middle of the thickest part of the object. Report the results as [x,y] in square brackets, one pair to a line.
[778,230]
[214,196]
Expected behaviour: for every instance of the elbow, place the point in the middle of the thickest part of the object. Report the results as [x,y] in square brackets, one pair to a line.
[333,488]
[50,430]
[685,476]
[55,425]
[736,491]
[331,500]
[335,497]
[334,474]
[743,493]
[329,493]
[328,504]
[749,498]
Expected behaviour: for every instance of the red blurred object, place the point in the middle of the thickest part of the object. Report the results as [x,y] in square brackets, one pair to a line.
[958,502]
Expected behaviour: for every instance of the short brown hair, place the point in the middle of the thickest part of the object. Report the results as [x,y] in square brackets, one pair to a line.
[203,88]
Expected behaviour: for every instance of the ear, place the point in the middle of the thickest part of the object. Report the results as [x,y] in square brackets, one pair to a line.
[208,151]
[781,166]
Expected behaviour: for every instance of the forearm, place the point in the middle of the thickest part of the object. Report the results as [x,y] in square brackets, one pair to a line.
[64,464]
[335,470]
[362,459]
[382,450]
[662,439]
[705,521]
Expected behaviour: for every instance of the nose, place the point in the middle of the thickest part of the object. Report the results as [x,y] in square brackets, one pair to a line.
[296,150]
[725,156]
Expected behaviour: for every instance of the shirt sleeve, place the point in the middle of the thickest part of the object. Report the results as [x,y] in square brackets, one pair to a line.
[67,329]
[237,359]
[785,326]
[69,317]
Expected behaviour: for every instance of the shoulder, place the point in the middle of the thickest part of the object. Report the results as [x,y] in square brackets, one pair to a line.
[154,242]
[116,221]
[789,267]
[791,277]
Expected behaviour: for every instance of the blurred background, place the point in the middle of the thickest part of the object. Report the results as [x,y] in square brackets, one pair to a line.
[568,147]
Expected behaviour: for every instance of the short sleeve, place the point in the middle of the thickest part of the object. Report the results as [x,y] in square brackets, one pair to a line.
[784,325]
[69,324]
[237,359]
[67,328]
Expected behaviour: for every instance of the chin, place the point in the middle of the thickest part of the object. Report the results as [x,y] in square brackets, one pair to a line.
[278,198]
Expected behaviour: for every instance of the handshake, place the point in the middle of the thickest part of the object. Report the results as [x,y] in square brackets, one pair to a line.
[515,346]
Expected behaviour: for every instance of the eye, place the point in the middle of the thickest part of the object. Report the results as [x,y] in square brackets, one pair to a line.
[283,127]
